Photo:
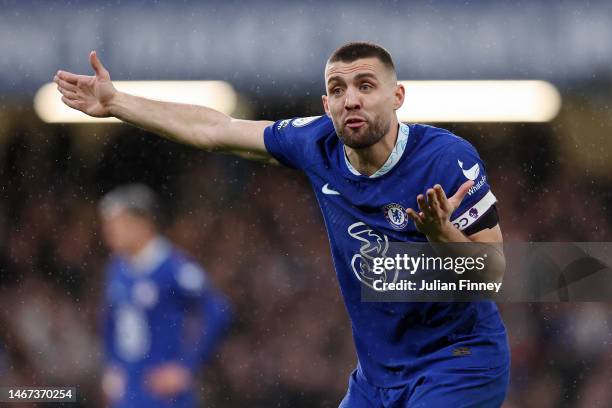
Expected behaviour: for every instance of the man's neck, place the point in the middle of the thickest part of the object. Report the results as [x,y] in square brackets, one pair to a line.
[151,254]
[141,244]
[369,160]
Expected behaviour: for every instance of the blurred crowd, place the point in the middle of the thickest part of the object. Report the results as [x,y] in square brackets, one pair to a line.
[258,231]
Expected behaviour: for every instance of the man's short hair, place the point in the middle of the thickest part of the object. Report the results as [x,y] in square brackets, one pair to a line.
[356,50]
[136,198]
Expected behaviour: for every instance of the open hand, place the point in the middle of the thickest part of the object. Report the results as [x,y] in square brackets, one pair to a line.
[436,209]
[89,94]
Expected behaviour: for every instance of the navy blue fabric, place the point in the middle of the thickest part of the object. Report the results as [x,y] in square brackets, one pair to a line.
[146,323]
[394,341]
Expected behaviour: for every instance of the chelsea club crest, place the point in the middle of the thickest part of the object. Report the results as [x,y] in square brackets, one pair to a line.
[396,215]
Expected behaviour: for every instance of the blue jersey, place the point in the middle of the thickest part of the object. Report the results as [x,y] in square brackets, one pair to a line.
[393,340]
[150,302]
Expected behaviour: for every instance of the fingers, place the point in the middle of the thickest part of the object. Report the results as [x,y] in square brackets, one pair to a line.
[430,206]
[68,94]
[74,104]
[69,77]
[423,206]
[97,66]
[432,200]
[460,194]
[66,85]
[68,90]
[416,218]
[441,196]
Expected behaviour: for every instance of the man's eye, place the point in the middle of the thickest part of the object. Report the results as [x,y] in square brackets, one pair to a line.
[365,87]
[337,91]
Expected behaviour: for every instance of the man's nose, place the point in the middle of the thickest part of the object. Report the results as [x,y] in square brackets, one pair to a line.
[352,101]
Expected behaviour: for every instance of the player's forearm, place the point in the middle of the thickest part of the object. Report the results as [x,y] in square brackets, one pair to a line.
[189,124]
[495,264]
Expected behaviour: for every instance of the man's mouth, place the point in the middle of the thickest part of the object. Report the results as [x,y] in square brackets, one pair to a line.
[354,122]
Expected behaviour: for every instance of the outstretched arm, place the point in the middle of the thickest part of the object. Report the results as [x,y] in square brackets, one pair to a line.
[194,125]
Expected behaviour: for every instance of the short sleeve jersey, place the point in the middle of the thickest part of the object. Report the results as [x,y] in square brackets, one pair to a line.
[392,340]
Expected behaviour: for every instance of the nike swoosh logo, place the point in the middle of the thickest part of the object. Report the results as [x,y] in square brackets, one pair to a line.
[329,191]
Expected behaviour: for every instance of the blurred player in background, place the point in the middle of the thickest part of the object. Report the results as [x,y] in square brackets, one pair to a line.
[153,292]
[369,172]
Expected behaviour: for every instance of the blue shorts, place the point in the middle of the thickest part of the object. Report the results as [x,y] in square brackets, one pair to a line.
[445,384]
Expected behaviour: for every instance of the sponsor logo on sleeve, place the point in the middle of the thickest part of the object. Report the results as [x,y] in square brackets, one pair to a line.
[282,124]
[300,122]
[471,173]
[478,185]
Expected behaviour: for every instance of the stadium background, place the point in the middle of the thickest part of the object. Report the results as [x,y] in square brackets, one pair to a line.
[257,228]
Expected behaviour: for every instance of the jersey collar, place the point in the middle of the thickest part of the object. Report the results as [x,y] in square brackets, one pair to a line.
[151,256]
[396,153]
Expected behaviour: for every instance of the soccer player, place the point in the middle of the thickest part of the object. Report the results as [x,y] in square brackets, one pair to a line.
[370,173]
[152,293]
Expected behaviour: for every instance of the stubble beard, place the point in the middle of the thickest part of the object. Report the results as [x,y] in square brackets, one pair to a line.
[355,139]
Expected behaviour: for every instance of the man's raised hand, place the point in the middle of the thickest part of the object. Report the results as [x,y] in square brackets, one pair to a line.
[436,209]
[89,94]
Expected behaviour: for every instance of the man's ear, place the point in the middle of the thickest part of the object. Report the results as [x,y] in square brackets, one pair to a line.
[400,95]
[325,104]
